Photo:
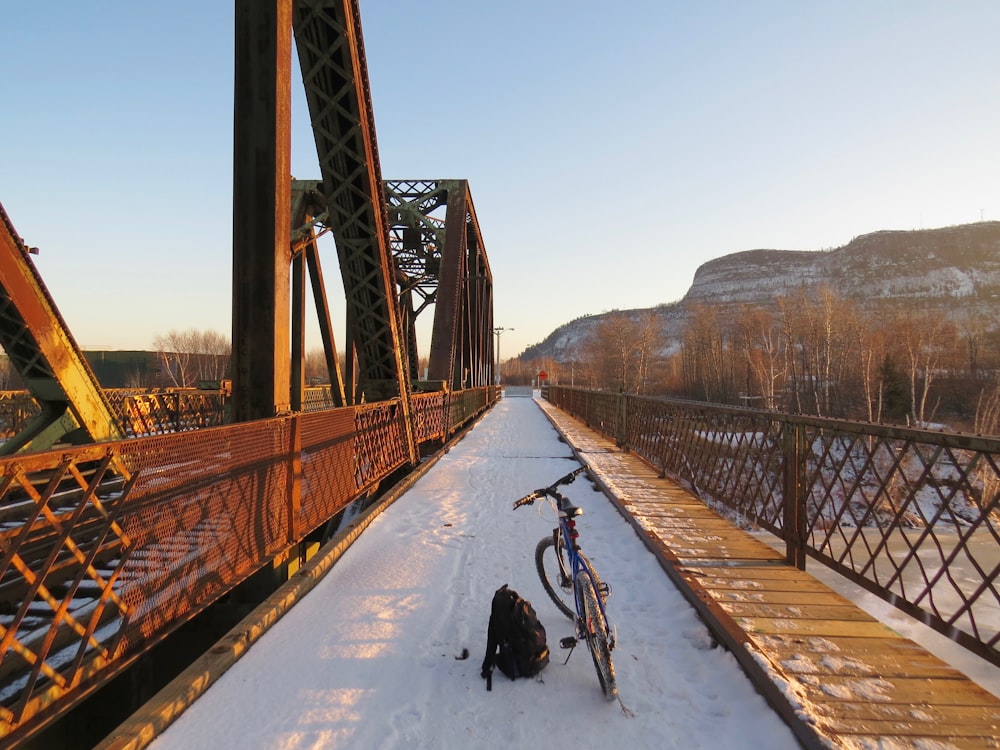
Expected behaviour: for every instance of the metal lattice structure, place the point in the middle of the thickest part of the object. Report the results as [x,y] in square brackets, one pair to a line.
[334,72]
[440,260]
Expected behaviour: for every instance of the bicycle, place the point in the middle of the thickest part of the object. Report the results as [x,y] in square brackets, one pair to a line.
[558,558]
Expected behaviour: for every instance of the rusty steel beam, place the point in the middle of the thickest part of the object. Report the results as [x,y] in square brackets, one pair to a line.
[334,72]
[480,298]
[261,209]
[306,201]
[446,361]
[298,340]
[39,344]
[480,306]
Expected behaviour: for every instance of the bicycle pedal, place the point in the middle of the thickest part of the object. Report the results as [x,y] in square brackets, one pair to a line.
[567,642]
[604,589]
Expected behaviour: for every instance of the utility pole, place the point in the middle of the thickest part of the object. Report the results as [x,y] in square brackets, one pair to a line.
[498,332]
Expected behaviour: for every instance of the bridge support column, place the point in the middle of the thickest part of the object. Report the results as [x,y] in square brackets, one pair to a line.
[261,209]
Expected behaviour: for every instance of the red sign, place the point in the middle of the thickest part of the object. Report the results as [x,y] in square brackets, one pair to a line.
[542,375]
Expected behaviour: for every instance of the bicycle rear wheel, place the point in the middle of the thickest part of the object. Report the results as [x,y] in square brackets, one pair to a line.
[552,564]
[596,630]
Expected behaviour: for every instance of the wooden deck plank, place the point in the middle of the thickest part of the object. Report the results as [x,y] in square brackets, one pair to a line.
[796,611]
[855,681]
[941,694]
[775,575]
[856,714]
[768,596]
[730,583]
[817,627]
[857,656]
[904,735]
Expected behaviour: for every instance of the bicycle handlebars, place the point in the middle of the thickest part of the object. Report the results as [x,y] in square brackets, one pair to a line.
[551,490]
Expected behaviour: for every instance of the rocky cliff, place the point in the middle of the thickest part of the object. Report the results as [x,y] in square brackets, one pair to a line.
[953,270]
[939,266]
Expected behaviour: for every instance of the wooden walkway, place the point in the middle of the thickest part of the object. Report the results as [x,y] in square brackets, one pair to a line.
[839,677]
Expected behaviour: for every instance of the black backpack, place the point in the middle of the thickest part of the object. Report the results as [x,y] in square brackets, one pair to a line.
[515,641]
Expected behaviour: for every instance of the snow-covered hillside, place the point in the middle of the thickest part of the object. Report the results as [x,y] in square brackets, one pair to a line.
[953,270]
[941,267]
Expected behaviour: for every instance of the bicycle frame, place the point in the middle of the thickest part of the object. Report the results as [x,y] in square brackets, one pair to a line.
[567,529]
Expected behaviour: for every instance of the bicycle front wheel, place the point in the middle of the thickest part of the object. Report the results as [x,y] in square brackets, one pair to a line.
[552,563]
[596,630]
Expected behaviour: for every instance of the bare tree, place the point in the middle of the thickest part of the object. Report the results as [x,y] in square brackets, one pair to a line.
[972,330]
[872,350]
[315,367]
[186,357]
[174,356]
[213,352]
[924,339]
[706,356]
[988,423]
[647,350]
[815,324]
[795,377]
[759,337]
[988,411]
[611,347]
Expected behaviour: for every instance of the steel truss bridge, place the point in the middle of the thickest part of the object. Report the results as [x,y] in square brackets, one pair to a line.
[124,515]
[118,523]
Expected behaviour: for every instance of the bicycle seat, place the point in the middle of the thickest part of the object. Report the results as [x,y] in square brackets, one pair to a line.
[570,511]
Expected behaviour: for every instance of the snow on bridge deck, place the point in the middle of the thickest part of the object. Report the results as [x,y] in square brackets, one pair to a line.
[369,655]
[839,677]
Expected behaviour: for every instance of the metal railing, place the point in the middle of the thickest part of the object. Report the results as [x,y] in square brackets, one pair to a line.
[143,412]
[911,515]
[105,549]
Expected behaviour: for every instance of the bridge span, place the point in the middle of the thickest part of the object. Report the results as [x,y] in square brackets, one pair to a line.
[373,652]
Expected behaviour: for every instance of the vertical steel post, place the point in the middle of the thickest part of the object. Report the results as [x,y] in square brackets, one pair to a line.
[621,421]
[261,208]
[295,530]
[794,519]
[298,364]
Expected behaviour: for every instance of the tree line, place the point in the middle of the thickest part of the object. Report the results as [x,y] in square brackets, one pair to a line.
[186,358]
[812,352]
[178,359]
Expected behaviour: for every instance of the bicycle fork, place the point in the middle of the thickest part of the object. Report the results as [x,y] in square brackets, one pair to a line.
[582,628]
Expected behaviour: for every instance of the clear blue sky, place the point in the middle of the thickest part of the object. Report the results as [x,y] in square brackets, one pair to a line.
[611,148]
